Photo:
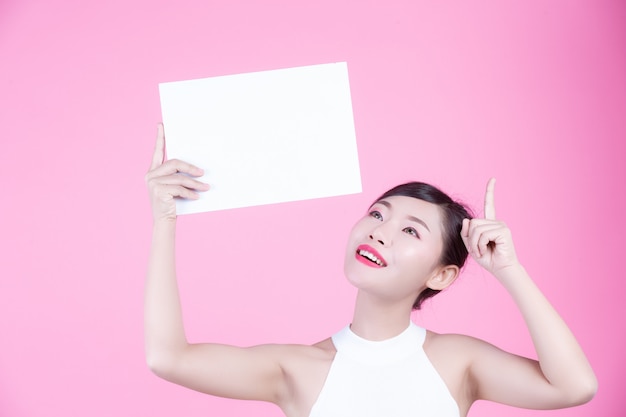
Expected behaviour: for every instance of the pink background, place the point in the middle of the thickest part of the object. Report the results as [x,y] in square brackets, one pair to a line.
[531,92]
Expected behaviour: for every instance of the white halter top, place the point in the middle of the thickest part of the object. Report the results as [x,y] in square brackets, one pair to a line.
[388,378]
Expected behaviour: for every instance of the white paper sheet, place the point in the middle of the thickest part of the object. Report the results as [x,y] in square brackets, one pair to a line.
[264,137]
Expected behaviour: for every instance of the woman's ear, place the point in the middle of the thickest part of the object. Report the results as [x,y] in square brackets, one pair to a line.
[443,277]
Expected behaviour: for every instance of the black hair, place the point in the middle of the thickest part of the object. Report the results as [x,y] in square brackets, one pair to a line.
[453,213]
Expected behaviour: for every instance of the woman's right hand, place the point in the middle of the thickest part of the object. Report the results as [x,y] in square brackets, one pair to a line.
[168,180]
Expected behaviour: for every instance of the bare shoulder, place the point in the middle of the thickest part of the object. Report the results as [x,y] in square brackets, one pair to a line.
[305,368]
[322,350]
[453,342]
[296,358]
[326,346]
[455,353]
[476,369]
[452,355]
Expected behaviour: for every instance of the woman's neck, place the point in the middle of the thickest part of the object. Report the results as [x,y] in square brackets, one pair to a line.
[375,319]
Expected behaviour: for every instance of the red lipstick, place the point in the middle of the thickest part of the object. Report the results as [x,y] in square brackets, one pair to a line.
[370,257]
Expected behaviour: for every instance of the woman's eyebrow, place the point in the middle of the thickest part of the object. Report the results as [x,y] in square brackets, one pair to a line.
[412,218]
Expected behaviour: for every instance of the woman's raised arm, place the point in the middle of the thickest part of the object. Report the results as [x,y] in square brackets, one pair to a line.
[562,377]
[249,373]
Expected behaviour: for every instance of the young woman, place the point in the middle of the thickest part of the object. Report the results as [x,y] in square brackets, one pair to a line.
[411,244]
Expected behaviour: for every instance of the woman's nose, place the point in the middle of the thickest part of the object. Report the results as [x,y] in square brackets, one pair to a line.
[379,236]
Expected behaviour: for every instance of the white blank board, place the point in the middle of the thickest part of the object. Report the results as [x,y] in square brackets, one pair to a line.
[264,137]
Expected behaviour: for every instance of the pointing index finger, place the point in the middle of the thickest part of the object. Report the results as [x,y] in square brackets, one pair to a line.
[490,208]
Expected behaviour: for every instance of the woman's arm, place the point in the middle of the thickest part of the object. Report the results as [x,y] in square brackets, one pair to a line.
[562,376]
[250,373]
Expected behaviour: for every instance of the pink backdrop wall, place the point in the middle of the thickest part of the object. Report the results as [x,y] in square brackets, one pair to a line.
[531,92]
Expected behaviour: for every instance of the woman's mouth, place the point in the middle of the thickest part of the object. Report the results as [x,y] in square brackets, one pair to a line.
[370,257]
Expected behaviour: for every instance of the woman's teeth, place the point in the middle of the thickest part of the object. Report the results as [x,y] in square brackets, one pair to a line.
[371,257]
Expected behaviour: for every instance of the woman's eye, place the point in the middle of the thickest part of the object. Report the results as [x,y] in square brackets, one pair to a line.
[411,231]
[375,214]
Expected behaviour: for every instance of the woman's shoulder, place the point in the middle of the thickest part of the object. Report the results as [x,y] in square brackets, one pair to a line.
[307,360]
[305,368]
[453,342]
[322,350]
[297,354]
[449,350]
[453,354]
[325,346]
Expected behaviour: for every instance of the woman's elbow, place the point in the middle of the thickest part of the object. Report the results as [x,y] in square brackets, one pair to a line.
[590,391]
[162,364]
[584,391]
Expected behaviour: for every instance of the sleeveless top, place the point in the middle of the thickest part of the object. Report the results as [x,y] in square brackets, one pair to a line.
[388,378]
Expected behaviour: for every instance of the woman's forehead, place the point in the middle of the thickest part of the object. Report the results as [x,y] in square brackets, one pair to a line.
[401,202]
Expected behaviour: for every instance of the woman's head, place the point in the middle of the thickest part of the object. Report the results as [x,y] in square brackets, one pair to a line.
[452,214]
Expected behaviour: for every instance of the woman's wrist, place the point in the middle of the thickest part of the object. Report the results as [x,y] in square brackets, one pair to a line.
[512,272]
[163,226]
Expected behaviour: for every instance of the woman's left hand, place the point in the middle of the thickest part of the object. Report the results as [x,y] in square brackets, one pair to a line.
[488,240]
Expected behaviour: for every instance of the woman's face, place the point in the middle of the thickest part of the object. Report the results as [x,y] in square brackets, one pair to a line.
[395,248]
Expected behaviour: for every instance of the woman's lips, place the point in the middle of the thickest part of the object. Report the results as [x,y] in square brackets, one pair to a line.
[370,256]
